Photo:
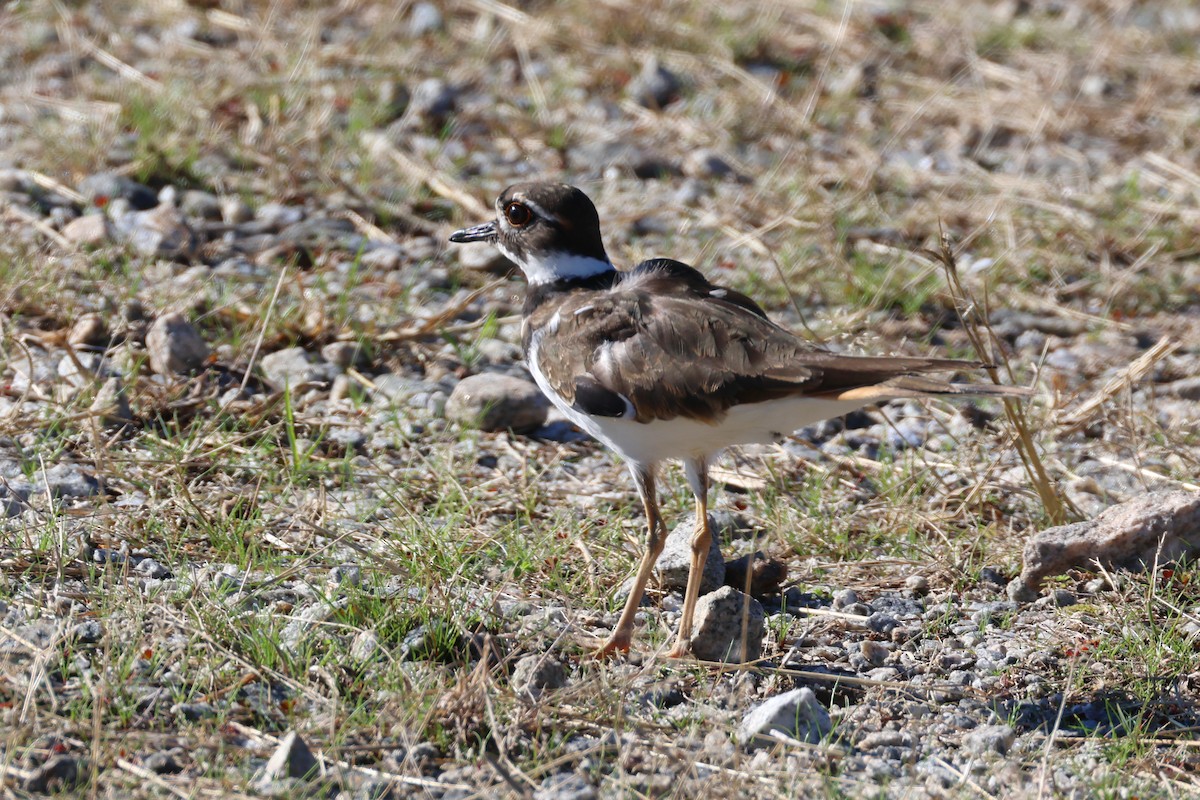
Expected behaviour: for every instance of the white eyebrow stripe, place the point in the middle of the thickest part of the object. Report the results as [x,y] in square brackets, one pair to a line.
[584,309]
[537,209]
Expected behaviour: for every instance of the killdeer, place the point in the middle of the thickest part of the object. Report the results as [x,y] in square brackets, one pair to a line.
[658,363]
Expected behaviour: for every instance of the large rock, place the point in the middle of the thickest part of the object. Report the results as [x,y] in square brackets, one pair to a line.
[1157,528]
[717,628]
[495,402]
[175,346]
[797,714]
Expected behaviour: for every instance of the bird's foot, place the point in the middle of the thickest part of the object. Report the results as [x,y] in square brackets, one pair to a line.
[680,650]
[617,643]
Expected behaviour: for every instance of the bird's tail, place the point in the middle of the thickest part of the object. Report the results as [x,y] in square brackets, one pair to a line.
[920,386]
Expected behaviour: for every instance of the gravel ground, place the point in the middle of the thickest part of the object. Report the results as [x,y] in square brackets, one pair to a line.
[284,514]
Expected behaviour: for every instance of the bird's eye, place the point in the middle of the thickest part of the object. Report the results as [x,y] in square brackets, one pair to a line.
[518,215]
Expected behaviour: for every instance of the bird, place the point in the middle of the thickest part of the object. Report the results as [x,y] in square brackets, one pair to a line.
[658,363]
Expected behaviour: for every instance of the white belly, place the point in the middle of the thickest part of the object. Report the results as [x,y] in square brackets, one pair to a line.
[757,423]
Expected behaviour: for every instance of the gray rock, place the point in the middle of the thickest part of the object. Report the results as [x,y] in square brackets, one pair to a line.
[797,714]
[175,346]
[66,480]
[161,232]
[111,404]
[536,674]
[494,402]
[397,388]
[104,187]
[843,598]
[90,230]
[235,211]
[1156,528]
[12,501]
[1062,598]
[433,100]
[291,759]
[655,86]
[565,786]
[90,330]
[150,568]
[345,354]
[424,18]
[199,204]
[996,739]
[58,774]
[676,560]
[365,646]
[293,366]
[718,626]
[1185,389]
[765,577]
[917,584]
[193,712]
[163,762]
[874,652]
[276,215]
[88,632]
[704,163]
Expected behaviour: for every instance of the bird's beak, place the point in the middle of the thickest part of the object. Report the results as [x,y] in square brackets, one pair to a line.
[480,233]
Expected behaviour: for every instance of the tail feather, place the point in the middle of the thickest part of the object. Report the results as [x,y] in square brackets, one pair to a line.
[920,386]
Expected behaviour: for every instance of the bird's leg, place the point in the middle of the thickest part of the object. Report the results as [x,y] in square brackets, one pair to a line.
[622,635]
[697,475]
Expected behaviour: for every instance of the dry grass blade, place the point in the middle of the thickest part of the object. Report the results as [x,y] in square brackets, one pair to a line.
[975,322]
[1132,374]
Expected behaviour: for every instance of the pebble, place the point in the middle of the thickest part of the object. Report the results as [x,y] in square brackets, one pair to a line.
[293,366]
[842,598]
[345,354]
[718,627]
[175,346]
[917,584]
[766,574]
[988,739]
[200,205]
[162,762]
[235,211]
[796,713]
[424,18]
[291,759]
[493,402]
[90,230]
[704,163]
[875,652]
[675,562]
[433,100]
[565,786]
[111,404]
[655,86]
[102,188]
[161,232]
[365,646]
[90,330]
[65,480]
[59,774]
[536,674]
[150,568]
[1063,598]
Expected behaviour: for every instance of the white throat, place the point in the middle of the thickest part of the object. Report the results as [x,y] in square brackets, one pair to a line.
[557,266]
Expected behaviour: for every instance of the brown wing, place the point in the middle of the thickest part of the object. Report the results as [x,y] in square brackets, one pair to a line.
[671,344]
